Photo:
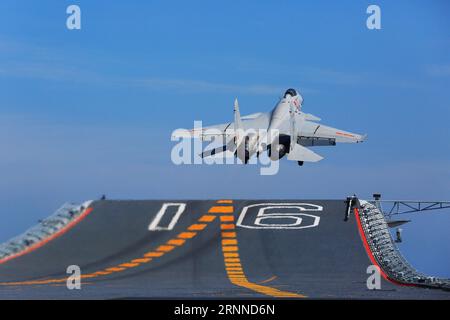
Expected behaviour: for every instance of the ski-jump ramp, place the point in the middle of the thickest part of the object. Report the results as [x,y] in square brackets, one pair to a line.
[209,249]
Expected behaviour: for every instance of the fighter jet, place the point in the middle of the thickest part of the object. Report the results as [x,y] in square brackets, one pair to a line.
[286,130]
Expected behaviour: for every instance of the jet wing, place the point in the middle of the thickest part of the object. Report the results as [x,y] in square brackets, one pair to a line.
[205,133]
[321,134]
[311,134]
[254,121]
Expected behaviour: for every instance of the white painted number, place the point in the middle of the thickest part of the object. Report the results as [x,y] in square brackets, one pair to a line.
[155,225]
[279,216]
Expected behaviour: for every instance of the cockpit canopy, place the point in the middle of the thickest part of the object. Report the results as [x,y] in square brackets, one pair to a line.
[290,92]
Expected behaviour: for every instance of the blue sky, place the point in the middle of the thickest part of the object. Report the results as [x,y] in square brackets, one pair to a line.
[88,112]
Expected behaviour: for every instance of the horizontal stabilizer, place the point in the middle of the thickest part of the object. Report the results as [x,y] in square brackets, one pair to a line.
[300,153]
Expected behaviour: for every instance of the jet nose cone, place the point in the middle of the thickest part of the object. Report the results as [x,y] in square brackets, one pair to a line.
[291,92]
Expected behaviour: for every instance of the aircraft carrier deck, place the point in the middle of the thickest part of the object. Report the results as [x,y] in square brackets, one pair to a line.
[206,249]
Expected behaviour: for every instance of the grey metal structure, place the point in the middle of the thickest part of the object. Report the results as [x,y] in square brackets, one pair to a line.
[410,206]
[399,207]
[386,252]
[46,228]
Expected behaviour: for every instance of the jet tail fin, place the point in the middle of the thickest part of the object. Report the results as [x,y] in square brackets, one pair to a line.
[238,130]
[237,116]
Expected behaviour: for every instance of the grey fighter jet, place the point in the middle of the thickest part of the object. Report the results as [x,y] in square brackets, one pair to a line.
[286,130]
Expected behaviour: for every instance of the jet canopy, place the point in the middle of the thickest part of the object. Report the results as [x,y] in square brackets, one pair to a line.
[290,92]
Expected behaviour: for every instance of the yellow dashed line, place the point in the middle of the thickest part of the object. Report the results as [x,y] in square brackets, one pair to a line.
[221,209]
[228,234]
[153,254]
[38,282]
[229,241]
[176,242]
[207,218]
[141,260]
[227,226]
[230,248]
[233,265]
[102,273]
[165,248]
[234,269]
[235,272]
[187,235]
[129,265]
[197,227]
[115,269]
[226,218]
[237,266]
[225,201]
